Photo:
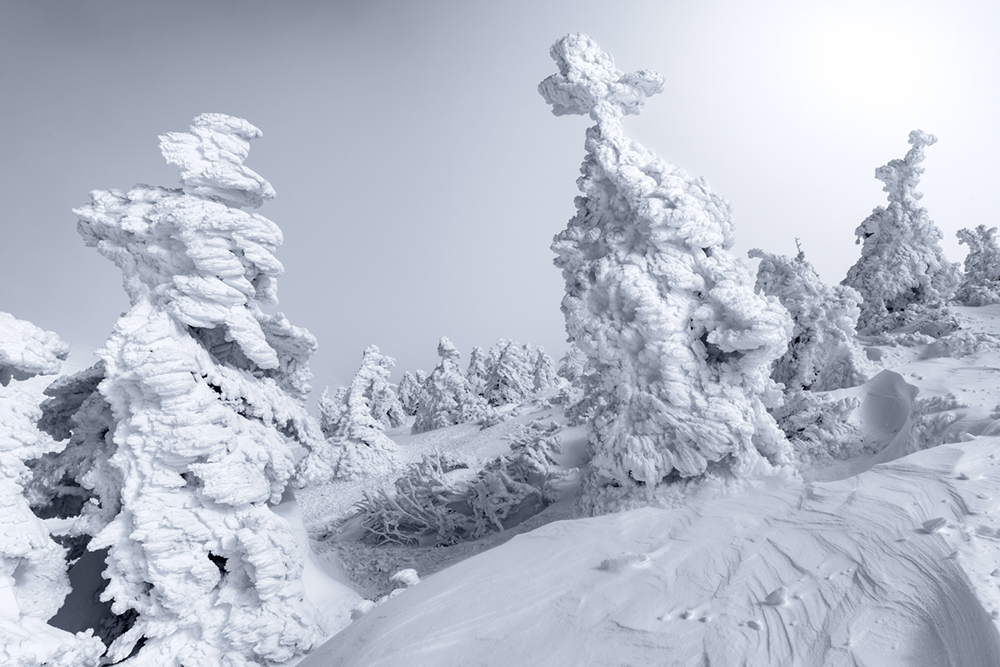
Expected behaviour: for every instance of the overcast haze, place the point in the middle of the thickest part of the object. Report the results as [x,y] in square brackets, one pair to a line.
[421,177]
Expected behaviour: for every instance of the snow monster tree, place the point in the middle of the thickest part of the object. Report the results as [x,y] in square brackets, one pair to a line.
[668,319]
[207,394]
[902,274]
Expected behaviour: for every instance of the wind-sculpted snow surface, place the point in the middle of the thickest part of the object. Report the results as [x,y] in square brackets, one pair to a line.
[207,396]
[824,353]
[902,274]
[33,579]
[889,568]
[677,339]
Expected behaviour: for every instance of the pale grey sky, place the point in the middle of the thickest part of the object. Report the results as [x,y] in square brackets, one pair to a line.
[421,177]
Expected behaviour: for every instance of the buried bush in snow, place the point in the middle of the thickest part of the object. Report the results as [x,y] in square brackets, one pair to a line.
[981,278]
[679,343]
[902,274]
[207,397]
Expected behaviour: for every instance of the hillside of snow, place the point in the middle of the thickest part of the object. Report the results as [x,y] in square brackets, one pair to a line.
[887,558]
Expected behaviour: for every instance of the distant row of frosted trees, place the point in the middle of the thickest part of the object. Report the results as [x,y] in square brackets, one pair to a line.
[354,418]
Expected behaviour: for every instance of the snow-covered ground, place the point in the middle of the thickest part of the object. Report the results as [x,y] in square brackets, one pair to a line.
[889,558]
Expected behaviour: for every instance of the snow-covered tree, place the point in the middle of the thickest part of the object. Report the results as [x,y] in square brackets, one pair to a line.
[680,344]
[902,274]
[207,398]
[509,375]
[353,419]
[478,370]
[572,365]
[445,396]
[543,372]
[332,410]
[824,353]
[33,579]
[981,279]
[408,392]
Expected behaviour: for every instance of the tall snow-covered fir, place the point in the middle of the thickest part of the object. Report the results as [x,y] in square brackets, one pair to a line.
[207,406]
[902,274]
[981,278]
[668,319]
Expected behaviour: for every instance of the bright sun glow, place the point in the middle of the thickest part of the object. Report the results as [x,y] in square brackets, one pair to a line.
[850,63]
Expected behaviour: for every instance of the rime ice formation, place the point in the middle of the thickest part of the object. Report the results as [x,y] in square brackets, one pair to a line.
[408,391]
[981,279]
[33,579]
[508,375]
[445,396]
[354,420]
[477,371]
[823,353]
[207,396]
[902,274]
[668,319]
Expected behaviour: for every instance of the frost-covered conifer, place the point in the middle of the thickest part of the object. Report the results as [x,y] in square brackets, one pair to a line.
[385,404]
[509,376]
[409,390]
[33,579]
[981,279]
[543,372]
[445,396]
[478,370]
[207,396]
[902,274]
[331,410]
[572,365]
[823,353]
[679,344]
[354,429]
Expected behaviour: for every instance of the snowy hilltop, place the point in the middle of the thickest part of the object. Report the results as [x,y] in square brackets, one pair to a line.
[731,464]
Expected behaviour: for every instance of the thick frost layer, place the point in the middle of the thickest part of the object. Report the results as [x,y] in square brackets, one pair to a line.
[33,579]
[824,353]
[354,420]
[902,274]
[206,392]
[981,279]
[680,344]
[446,397]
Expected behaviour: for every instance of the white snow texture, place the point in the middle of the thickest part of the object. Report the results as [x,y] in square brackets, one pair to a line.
[667,317]
[207,395]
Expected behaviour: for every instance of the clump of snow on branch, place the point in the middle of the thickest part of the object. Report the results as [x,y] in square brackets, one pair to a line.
[33,575]
[902,274]
[446,397]
[207,395]
[981,279]
[679,344]
[823,353]
[355,419]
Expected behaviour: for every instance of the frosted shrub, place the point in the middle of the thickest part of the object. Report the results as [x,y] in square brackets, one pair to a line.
[500,499]
[902,274]
[446,397]
[823,353]
[679,344]
[207,396]
[981,280]
[424,508]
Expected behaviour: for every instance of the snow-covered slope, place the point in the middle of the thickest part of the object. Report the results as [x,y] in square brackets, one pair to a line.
[892,560]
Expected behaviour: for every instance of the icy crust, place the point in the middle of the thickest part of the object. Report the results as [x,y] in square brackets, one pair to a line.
[895,567]
[677,341]
[33,579]
[981,278]
[206,396]
[210,156]
[902,274]
[26,350]
[824,353]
